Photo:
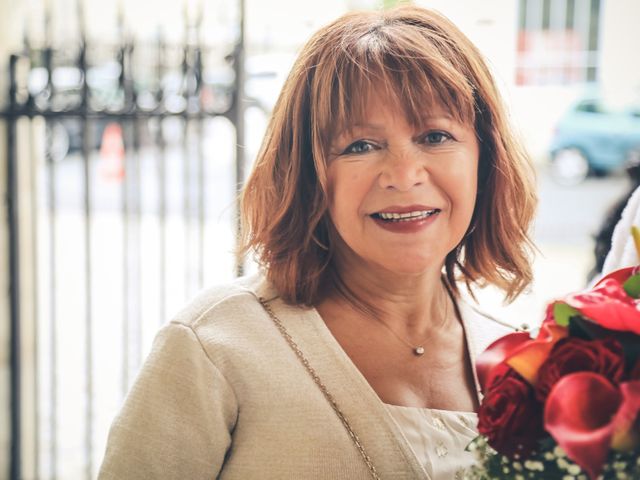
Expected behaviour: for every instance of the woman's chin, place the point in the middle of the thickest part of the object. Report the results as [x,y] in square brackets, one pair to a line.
[413,267]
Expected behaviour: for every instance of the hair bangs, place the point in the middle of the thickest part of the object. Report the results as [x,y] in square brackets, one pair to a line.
[378,67]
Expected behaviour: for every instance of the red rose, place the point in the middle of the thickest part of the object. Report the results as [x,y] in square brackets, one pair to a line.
[510,416]
[571,355]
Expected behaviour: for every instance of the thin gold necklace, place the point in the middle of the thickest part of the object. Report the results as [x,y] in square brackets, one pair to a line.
[418,350]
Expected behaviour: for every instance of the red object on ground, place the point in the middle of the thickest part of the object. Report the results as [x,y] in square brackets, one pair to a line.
[112,153]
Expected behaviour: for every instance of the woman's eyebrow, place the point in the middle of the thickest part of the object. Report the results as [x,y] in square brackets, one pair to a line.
[348,131]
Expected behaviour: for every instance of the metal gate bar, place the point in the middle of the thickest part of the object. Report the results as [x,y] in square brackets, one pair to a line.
[133,120]
[14,272]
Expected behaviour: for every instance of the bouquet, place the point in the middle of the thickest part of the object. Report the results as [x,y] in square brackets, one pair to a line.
[565,404]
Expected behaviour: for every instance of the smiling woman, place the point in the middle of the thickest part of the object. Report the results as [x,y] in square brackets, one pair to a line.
[388,175]
[399,178]
[432,77]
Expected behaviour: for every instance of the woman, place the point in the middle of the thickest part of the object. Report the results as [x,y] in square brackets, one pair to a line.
[388,170]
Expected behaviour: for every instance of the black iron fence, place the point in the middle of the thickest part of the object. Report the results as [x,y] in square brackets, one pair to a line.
[132,163]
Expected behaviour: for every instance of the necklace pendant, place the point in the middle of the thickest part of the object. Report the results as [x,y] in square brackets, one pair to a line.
[418,350]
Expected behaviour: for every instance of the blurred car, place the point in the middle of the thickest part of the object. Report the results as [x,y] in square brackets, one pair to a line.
[592,139]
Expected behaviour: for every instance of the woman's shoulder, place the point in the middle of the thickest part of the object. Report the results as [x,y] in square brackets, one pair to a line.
[233,299]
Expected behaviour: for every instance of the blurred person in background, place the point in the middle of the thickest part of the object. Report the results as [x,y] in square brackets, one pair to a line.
[388,178]
[622,251]
[603,238]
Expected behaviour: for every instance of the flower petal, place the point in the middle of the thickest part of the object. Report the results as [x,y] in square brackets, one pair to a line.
[608,305]
[620,275]
[495,354]
[527,358]
[578,414]
[625,434]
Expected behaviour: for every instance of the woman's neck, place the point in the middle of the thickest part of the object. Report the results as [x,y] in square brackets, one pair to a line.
[411,304]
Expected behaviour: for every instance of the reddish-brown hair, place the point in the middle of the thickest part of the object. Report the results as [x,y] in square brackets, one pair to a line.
[420,57]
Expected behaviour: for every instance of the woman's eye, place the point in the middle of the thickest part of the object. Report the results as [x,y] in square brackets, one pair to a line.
[436,138]
[359,147]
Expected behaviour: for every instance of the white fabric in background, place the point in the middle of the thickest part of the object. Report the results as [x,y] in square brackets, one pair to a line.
[623,252]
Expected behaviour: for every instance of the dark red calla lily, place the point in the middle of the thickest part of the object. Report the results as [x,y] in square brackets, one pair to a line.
[626,435]
[583,413]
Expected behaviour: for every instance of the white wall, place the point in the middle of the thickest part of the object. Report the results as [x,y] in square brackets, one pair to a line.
[619,57]
[491,26]
[287,25]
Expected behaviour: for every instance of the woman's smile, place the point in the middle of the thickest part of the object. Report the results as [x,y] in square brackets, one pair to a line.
[405,219]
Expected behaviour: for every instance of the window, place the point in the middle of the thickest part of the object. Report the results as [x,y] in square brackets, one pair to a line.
[558,42]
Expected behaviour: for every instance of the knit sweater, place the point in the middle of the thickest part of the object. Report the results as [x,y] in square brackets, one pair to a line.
[223,395]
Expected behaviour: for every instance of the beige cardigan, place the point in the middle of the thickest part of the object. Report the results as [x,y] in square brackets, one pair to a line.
[223,395]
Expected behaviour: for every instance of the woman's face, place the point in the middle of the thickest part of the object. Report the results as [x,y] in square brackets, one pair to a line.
[401,197]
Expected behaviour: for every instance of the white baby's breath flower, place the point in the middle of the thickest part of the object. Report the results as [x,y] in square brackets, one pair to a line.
[573,469]
[619,466]
[534,465]
[559,452]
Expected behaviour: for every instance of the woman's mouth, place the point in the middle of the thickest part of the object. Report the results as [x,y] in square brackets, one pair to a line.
[395,217]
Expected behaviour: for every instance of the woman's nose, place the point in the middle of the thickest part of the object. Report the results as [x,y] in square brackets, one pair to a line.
[403,170]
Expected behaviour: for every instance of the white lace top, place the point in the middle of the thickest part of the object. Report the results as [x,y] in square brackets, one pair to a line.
[438,438]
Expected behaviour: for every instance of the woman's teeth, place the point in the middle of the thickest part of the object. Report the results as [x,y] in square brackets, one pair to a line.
[406,217]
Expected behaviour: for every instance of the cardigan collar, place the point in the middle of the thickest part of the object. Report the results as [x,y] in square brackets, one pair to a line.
[381,437]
